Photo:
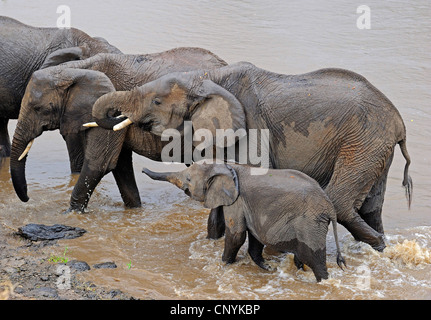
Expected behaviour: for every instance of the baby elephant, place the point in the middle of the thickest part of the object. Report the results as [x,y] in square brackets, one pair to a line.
[283,209]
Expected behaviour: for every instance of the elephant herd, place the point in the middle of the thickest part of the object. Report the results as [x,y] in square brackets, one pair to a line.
[332,135]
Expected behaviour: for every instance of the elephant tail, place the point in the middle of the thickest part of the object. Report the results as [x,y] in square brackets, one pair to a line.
[407,181]
[340,259]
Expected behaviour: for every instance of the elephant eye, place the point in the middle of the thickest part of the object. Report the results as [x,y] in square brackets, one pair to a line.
[156,101]
[37,108]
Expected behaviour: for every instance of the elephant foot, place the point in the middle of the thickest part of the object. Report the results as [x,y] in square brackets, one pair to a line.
[376,242]
[320,274]
[361,231]
[299,265]
[379,247]
[258,259]
[133,204]
[74,210]
[255,249]
[263,265]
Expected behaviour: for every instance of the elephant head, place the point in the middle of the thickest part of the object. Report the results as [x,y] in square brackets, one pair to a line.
[55,98]
[170,100]
[214,185]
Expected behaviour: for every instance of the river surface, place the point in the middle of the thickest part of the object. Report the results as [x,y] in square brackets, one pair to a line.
[161,249]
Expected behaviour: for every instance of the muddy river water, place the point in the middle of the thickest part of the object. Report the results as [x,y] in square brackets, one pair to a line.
[161,249]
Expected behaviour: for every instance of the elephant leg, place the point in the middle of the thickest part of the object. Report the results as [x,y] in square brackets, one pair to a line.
[255,249]
[235,232]
[319,269]
[232,243]
[4,138]
[216,225]
[125,178]
[352,221]
[102,151]
[348,188]
[84,187]
[75,147]
[371,210]
[315,259]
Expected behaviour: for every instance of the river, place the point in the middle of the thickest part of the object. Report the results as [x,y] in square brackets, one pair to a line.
[160,249]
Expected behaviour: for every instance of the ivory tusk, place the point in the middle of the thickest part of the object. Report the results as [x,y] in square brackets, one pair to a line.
[94,124]
[27,149]
[122,124]
[90,124]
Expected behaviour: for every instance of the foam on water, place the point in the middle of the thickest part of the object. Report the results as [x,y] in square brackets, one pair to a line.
[408,253]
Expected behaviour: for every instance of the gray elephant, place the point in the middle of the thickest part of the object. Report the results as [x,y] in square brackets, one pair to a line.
[283,209]
[331,124]
[62,97]
[25,49]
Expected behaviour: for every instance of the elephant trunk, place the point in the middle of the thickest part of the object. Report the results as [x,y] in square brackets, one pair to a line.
[111,111]
[20,143]
[171,177]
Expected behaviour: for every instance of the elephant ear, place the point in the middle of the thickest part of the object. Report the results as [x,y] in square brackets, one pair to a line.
[63,55]
[222,187]
[219,109]
[83,88]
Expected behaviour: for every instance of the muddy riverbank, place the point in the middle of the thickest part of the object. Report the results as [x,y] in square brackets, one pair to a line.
[29,270]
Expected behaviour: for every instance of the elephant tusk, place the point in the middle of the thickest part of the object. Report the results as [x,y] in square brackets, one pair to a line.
[122,124]
[90,124]
[27,149]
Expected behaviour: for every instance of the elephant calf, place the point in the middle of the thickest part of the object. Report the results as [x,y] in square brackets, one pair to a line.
[283,209]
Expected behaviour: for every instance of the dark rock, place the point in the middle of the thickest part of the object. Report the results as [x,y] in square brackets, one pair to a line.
[78,265]
[114,293]
[38,232]
[19,290]
[105,265]
[45,292]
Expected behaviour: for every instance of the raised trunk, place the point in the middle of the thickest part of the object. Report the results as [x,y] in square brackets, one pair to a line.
[161,176]
[172,177]
[107,108]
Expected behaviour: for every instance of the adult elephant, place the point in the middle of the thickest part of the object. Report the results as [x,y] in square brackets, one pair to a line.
[25,49]
[331,124]
[62,97]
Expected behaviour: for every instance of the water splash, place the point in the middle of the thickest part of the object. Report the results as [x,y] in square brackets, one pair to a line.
[408,253]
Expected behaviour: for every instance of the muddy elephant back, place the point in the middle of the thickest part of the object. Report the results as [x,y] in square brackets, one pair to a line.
[193,58]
